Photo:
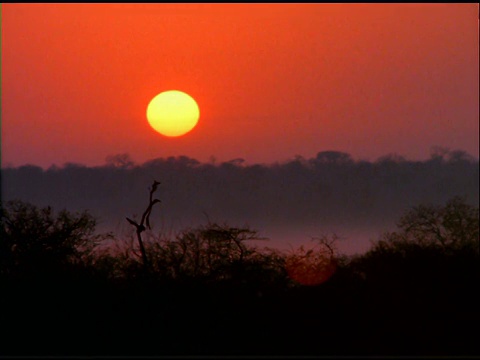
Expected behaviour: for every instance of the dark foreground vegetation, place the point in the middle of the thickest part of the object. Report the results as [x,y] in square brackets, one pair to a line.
[208,291]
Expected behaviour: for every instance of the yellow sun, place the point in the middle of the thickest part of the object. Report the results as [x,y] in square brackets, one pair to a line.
[173,113]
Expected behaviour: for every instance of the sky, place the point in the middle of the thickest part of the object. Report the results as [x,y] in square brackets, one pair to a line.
[271,80]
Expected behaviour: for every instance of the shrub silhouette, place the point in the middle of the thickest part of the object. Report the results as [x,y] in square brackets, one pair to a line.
[213,253]
[37,242]
[209,291]
[428,236]
[452,229]
[313,266]
[421,280]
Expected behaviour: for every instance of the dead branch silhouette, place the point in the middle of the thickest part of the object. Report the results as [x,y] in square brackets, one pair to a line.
[145,220]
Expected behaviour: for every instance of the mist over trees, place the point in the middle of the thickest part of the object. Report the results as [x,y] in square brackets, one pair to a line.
[330,190]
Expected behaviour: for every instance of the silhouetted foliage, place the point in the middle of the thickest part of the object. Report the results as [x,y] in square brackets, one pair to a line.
[208,254]
[316,265]
[452,227]
[333,157]
[36,239]
[214,253]
[119,161]
[423,278]
[209,290]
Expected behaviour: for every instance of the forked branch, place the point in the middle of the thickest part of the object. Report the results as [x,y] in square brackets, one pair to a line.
[145,221]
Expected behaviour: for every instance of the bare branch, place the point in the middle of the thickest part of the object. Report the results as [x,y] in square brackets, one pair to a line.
[145,220]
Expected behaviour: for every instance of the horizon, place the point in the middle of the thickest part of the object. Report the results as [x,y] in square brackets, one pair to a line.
[213,160]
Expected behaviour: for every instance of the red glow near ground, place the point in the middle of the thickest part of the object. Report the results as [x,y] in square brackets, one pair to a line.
[311,266]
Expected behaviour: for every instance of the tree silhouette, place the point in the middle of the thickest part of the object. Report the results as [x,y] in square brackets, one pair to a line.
[120,161]
[36,239]
[421,280]
[450,227]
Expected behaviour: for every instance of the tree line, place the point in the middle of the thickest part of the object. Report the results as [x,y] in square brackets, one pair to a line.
[330,188]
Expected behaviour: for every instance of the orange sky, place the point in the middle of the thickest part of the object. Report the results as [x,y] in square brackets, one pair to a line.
[271,80]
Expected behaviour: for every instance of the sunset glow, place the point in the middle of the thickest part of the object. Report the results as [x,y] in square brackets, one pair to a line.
[366,79]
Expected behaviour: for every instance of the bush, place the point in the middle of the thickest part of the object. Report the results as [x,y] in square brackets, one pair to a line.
[35,241]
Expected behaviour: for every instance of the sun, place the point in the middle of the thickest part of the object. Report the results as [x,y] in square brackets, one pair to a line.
[173,113]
